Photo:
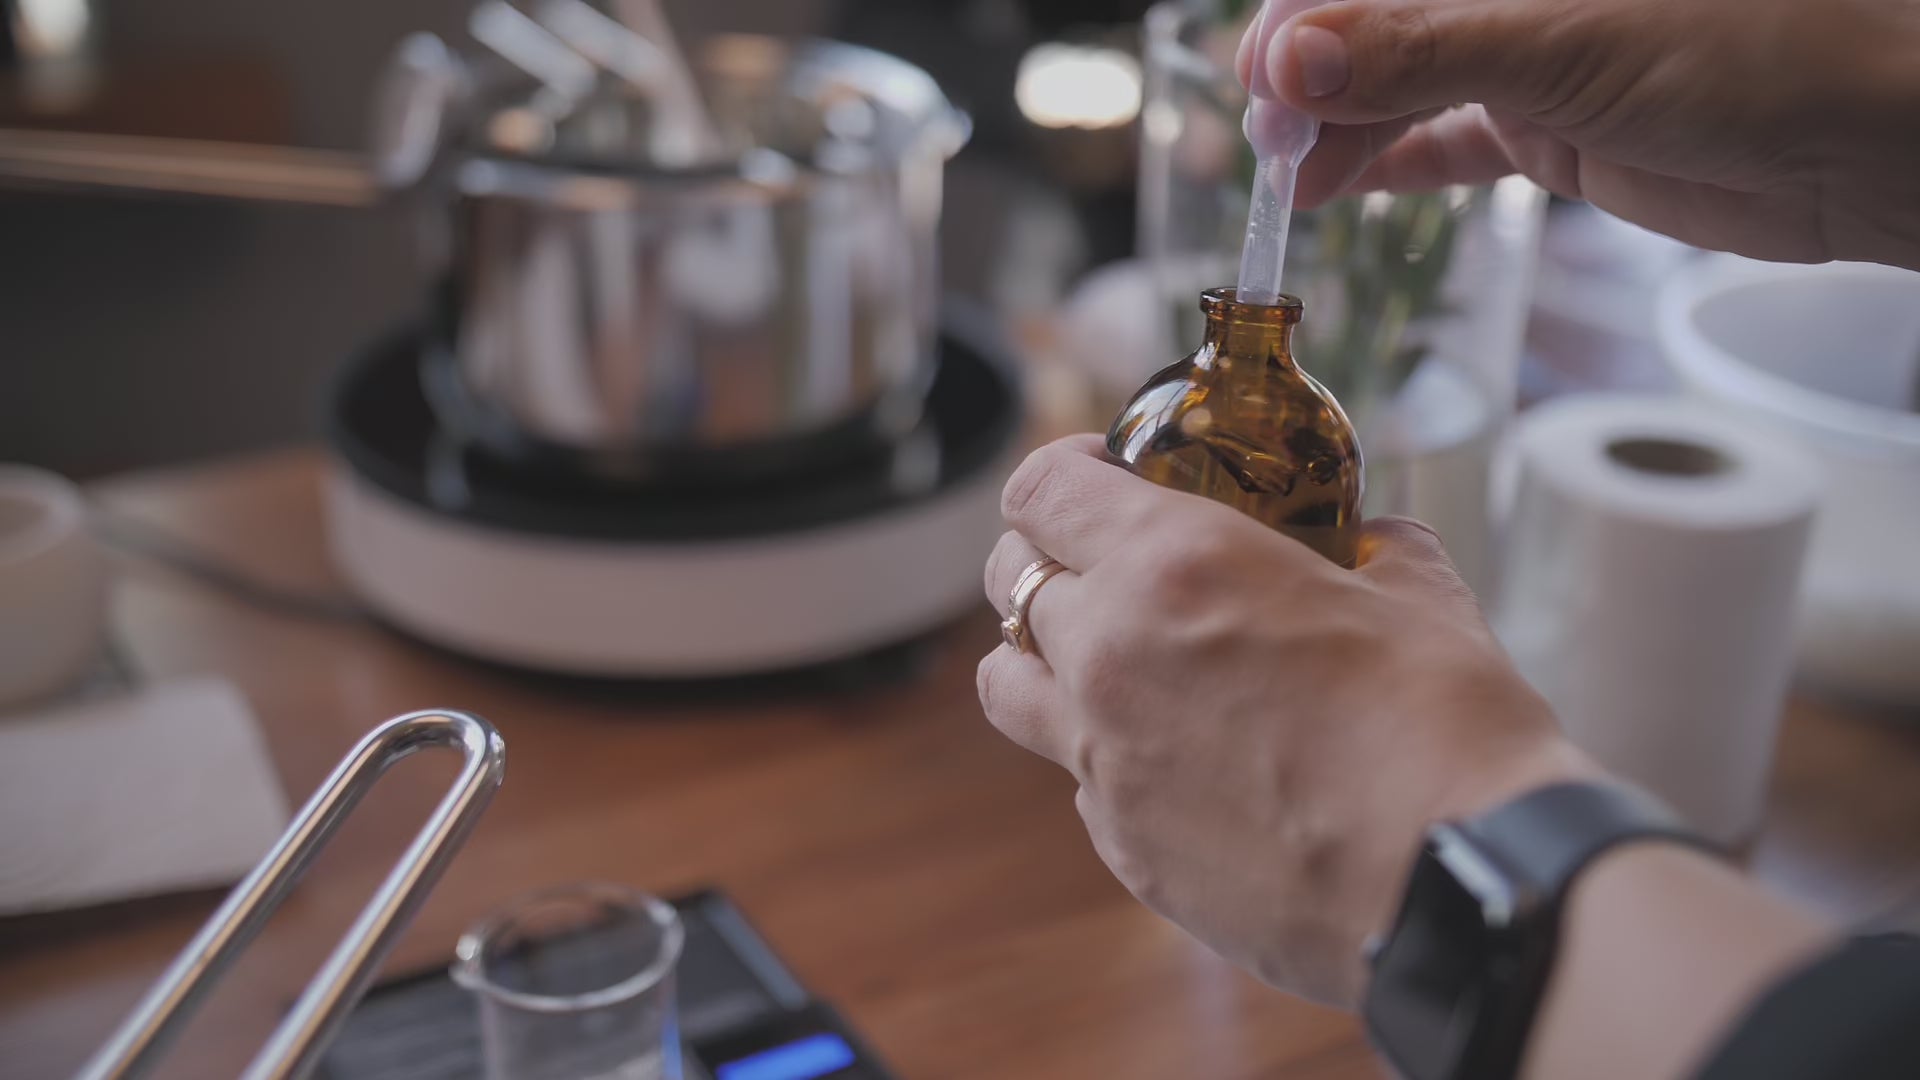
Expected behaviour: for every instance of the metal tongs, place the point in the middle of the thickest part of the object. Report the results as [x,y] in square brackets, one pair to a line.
[296,1045]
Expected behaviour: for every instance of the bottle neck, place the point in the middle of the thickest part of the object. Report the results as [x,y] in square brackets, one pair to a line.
[1235,339]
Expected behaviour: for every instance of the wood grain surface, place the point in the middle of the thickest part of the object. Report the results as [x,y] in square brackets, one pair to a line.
[927,876]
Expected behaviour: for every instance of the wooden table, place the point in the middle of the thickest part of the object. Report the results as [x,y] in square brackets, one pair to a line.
[925,875]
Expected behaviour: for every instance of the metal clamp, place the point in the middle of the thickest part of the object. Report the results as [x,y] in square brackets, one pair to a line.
[295,1046]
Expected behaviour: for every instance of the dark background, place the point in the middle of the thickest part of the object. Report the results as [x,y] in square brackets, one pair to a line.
[137,331]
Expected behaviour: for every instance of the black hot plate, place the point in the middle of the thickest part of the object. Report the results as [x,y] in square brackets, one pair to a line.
[380,422]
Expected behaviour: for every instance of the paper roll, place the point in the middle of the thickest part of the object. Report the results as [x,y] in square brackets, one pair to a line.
[1653,555]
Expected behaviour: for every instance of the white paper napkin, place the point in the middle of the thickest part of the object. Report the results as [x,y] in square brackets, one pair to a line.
[167,789]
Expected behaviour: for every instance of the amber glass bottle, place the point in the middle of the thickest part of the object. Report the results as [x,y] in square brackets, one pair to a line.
[1239,422]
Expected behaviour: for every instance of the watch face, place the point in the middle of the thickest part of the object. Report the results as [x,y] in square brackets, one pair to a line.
[1428,978]
[1462,971]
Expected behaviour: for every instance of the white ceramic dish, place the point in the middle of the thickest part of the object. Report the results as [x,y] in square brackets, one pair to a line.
[1828,356]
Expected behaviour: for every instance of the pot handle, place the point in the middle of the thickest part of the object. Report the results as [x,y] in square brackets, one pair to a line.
[951,131]
[418,91]
[187,166]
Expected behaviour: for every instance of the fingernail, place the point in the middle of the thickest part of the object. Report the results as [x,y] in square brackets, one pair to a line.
[1325,67]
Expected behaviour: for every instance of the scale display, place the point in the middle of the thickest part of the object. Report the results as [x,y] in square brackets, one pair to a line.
[743,1016]
[808,1058]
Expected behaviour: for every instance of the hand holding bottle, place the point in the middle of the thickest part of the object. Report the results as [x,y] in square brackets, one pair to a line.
[1239,421]
[1260,736]
[1778,129]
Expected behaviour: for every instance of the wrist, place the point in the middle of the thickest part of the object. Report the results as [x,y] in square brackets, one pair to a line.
[1669,943]
[1459,978]
[1503,770]
[1525,765]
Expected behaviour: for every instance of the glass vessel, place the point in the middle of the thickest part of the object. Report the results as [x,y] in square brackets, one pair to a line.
[1419,300]
[576,983]
[1238,421]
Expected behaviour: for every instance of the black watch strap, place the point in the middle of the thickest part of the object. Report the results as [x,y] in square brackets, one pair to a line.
[1547,836]
[1452,1001]
[1544,839]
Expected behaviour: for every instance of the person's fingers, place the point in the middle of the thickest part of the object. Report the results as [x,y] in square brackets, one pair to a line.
[1074,504]
[1260,32]
[1053,612]
[1250,46]
[1459,146]
[1343,154]
[1407,557]
[1258,38]
[1019,696]
[1778,226]
[1364,61]
[1011,556]
[1552,162]
[1130,871]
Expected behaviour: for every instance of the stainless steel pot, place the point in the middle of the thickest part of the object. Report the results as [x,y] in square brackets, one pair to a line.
[635,317]
[636,285]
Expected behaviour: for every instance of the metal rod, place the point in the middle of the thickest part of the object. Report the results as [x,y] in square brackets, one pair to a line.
[524,43]
[187,166]
[295,1046]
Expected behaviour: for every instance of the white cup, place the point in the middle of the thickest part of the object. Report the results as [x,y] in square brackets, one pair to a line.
[53,585]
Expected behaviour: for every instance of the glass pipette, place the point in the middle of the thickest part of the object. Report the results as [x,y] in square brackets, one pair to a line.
[1280,136]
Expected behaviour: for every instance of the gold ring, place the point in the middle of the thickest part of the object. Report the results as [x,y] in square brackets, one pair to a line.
[1013,629]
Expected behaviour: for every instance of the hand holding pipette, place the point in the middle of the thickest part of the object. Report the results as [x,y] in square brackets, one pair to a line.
[1281,136]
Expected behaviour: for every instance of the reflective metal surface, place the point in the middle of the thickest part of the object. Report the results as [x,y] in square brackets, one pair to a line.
[295,1046]
[621,311]
[654,262]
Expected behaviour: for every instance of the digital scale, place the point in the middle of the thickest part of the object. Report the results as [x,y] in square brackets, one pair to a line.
[743,1016]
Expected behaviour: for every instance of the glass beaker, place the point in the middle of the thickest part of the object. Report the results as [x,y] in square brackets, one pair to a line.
[576,983]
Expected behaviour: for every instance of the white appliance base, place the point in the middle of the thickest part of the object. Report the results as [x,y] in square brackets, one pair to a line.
[680,610]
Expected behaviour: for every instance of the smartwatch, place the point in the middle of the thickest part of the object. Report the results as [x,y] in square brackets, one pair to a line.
[1459,975]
